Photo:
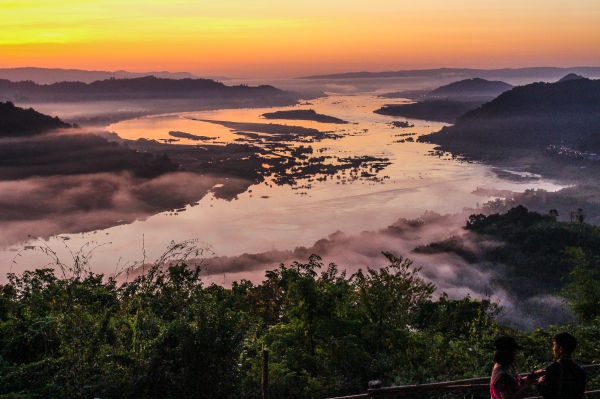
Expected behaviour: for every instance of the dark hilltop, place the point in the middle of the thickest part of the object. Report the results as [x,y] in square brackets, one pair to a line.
[18,122]
[470,88]
[571,76]
[147,87]
[551,129]
[532,116]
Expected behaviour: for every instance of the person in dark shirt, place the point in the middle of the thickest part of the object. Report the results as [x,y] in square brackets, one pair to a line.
[563,379]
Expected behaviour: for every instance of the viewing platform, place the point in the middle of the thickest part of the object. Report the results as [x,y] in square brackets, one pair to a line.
[459,386]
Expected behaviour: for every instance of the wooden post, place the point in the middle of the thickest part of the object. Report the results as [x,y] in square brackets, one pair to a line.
[265,373]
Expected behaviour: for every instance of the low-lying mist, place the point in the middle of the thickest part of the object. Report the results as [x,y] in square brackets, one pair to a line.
[45,206]
[450,272]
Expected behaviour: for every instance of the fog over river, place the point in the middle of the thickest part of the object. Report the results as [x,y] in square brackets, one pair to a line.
[271,217]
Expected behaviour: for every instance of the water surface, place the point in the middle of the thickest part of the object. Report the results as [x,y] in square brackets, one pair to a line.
[269,216]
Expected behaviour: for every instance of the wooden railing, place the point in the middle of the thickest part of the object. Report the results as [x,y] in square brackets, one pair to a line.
[471,384]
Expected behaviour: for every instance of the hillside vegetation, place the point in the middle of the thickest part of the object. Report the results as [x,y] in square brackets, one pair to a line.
[166,334]
[530,254]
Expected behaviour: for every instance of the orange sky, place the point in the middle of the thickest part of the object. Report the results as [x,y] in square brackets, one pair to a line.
[289,38]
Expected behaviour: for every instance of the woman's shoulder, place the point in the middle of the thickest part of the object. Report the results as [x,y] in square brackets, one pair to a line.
[499,369]
[502,377]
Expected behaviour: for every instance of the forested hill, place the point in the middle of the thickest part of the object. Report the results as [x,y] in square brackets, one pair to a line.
[533,254]
[15,121]
[148,87]
[531,117]
[446,103]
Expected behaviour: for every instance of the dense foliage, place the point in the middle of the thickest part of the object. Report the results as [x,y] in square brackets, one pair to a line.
[538,249]
[166,334]
[531,254]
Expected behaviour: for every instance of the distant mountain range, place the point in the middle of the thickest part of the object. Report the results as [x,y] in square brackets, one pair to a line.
[147,88]
[54,75]
[15,121]
[534,116]
[475,87]
[544,73]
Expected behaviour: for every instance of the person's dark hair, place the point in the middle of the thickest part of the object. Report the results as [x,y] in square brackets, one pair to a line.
[566,341]
[504,357]
[506,349]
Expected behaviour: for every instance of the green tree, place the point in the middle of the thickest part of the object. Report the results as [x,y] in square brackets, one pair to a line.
[583,287]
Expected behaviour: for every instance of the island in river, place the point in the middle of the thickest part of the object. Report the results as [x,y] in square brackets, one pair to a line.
[303,115]
[432,110]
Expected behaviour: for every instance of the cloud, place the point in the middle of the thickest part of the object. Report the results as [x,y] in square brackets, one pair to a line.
[351,252]
[44,206]
[450,272]
[530,313]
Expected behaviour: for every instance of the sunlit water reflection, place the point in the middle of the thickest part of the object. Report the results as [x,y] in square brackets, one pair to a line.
[268,216]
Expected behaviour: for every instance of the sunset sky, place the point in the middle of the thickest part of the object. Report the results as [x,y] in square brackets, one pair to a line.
[287,38]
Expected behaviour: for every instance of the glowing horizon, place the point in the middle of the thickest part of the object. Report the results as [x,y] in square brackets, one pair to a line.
[285,38]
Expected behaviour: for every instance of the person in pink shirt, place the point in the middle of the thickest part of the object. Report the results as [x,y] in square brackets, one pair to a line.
[505,382]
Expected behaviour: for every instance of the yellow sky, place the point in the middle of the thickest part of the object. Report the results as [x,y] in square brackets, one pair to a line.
[281,37]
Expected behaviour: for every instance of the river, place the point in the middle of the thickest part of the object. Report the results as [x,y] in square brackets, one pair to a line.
[269,216]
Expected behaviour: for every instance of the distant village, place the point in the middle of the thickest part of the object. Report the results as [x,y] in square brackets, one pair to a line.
[568,152]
